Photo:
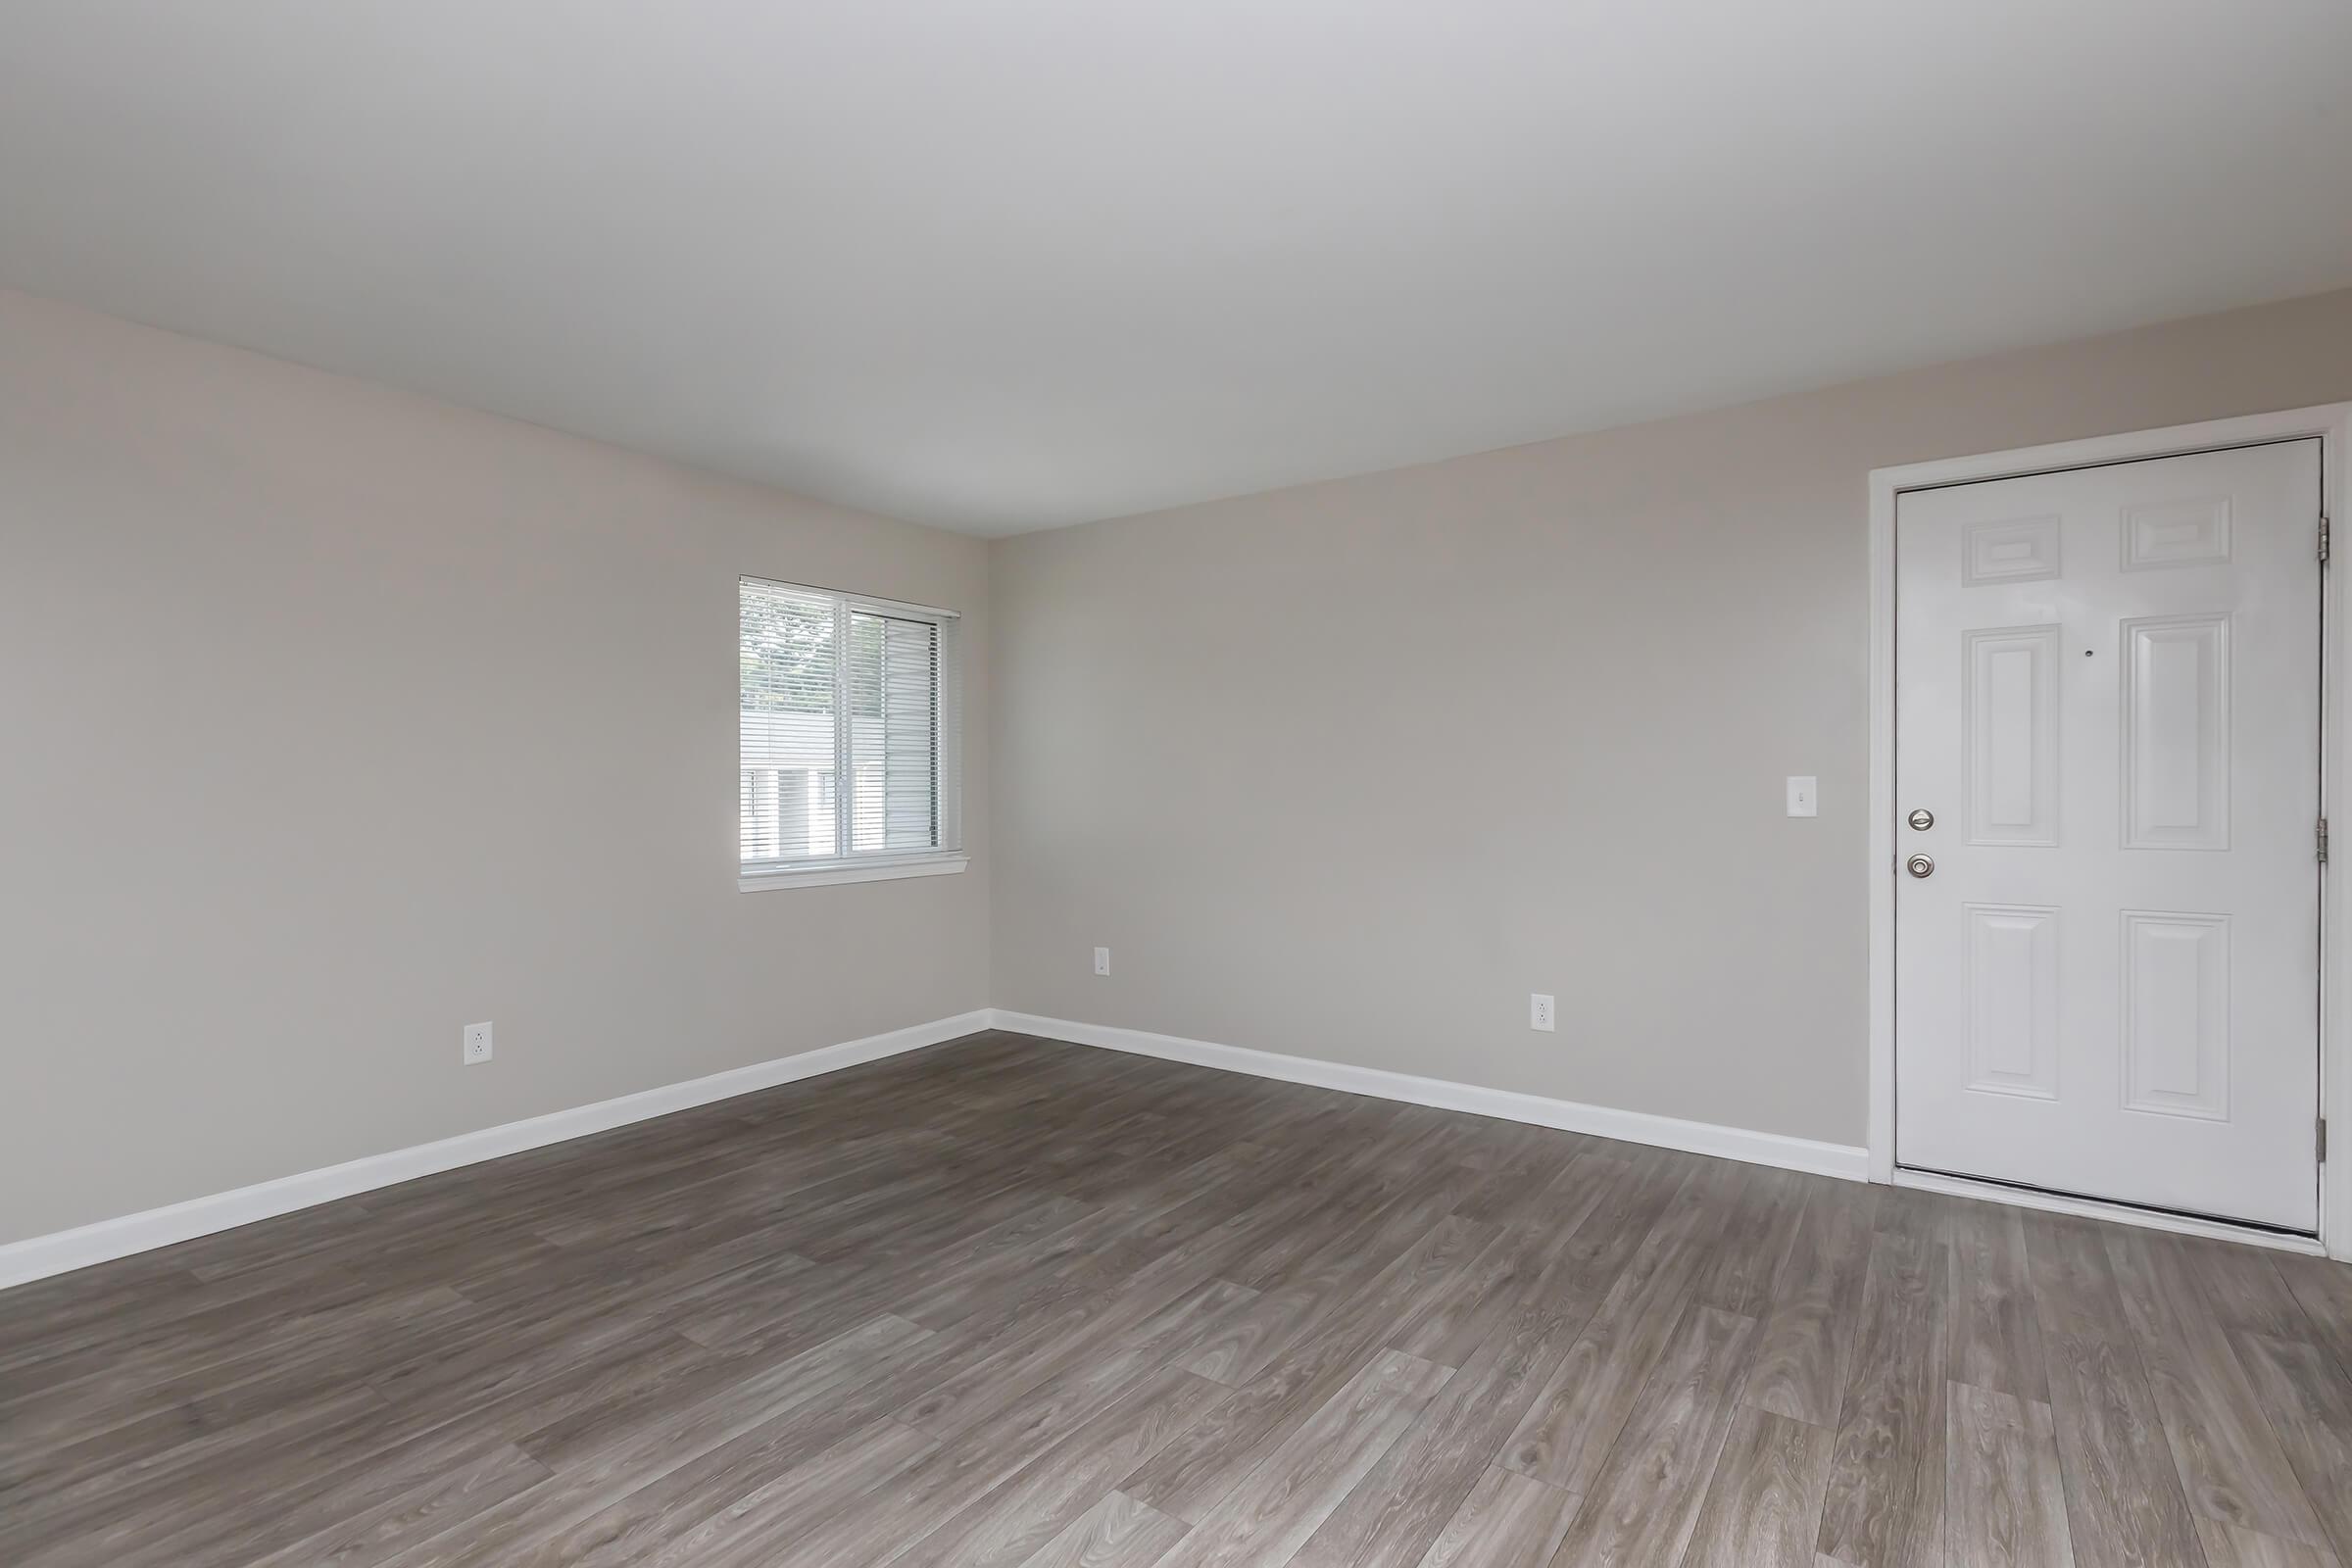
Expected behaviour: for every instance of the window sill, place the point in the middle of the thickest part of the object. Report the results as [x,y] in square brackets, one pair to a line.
[828,872]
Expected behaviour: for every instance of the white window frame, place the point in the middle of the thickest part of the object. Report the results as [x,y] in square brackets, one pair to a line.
[948,857]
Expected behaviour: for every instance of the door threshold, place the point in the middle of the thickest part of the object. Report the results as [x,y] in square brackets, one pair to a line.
[2155,1220]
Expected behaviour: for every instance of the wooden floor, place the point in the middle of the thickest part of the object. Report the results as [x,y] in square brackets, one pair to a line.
[1010,1302]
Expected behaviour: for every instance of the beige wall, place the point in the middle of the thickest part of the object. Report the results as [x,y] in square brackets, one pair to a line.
[1347,771]
[332,719]
[335,718]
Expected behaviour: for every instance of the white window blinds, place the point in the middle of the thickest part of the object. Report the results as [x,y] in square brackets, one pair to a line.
[849,729]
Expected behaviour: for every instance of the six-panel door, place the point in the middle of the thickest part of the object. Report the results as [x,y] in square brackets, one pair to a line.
[2107,691]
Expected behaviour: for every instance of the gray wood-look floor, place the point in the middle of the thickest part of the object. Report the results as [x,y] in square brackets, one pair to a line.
[1011,1302]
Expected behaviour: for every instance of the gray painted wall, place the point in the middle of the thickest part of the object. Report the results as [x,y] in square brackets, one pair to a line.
[1347,771]
[1343,771]
[335,719]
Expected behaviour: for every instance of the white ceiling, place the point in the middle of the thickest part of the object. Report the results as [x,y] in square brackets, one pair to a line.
[1000,265]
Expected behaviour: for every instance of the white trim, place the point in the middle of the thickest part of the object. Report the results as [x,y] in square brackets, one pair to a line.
[1879,1130]
[1602,1121]
[825,873]
[898,606]
[39,1257]
[2090,1209]
[887,606]
[2332,424]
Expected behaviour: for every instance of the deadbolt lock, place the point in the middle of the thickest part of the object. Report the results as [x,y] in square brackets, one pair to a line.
[1920,865]
[1921,819]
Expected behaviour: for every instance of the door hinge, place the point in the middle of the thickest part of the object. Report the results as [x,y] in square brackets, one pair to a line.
[2323,536]
[2323,840]
[2322,1139]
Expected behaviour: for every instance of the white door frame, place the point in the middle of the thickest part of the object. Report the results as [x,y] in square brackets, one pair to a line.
[2332,423]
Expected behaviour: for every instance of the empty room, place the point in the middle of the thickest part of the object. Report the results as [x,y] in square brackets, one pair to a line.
[1175,784]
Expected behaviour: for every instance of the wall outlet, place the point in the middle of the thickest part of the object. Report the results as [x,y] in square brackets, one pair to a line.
[1539,1011]
[477,1045]
[1102,960]
[1805,795]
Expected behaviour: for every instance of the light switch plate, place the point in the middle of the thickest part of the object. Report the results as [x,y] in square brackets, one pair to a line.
[1805,795]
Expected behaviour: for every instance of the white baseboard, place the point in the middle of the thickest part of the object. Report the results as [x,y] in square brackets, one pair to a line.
[1602,1121]
[38,1256]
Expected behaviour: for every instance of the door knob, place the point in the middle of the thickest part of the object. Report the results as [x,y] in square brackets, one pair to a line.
[1920,865]
[1921,819]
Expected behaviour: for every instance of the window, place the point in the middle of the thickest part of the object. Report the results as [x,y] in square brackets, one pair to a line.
[849,738]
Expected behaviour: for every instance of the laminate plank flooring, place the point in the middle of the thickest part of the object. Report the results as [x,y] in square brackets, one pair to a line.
[1763,1504]
[1012,1303]
[1507,1521]
[2004,1496]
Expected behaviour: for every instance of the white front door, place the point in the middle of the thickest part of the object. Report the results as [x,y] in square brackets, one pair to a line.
[2107,941]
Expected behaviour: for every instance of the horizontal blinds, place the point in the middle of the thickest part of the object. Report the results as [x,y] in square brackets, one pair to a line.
[893,733]
[848,727]
[788,653]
